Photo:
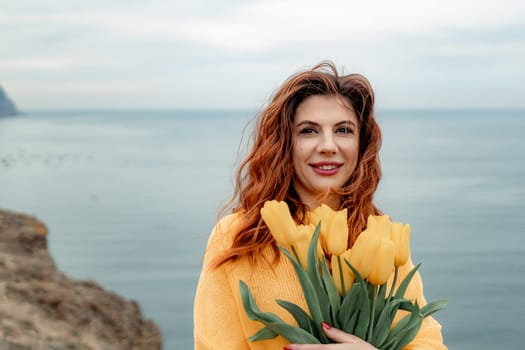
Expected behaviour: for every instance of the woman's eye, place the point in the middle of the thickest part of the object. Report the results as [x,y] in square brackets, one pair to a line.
[345,130]
[307,131]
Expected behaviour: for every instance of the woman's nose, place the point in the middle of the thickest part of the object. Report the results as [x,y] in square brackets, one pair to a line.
[327,144]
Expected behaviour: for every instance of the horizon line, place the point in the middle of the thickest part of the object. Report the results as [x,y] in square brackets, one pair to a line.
[252,109]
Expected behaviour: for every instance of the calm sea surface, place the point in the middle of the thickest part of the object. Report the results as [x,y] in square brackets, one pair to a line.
[130,197]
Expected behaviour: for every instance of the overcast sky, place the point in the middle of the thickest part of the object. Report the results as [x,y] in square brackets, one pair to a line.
[234,54]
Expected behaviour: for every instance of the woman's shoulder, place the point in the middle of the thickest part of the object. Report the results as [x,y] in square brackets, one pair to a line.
[223,233]
[229,221]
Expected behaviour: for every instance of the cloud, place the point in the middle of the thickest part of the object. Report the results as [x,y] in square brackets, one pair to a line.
[262,25]
[237,52]
[54,64]
[265,25]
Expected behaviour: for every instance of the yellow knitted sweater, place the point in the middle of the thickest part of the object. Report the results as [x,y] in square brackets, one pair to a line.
[219,317]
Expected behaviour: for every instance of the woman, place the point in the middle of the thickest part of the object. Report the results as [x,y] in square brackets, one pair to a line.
[316,142]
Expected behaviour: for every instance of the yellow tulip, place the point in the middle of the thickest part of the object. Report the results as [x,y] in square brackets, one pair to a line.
[323,214]
[334,228]
[347,275]
[337,239]
[282,226]
[383,263]
[379,224]
[302,242]
[313,216]
[400,235]
[362,255]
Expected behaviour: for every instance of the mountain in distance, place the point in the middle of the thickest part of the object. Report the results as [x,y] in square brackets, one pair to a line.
[7,106]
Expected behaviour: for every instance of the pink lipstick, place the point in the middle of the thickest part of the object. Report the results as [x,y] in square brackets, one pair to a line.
[326,168]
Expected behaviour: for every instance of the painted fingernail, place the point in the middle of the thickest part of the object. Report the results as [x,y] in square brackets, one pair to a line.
[287,347]
[326,326]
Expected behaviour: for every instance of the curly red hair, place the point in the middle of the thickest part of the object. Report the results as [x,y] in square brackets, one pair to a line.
[267,172]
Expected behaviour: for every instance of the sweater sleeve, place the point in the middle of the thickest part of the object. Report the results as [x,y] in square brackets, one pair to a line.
[216,319]
[429,336]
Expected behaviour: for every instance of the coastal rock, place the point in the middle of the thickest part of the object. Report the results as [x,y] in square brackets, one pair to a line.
[7,106]
[42,308]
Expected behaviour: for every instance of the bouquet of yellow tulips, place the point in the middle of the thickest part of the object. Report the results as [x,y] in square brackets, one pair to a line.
[346,288]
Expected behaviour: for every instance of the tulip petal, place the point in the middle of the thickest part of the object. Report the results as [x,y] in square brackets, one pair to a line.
[337,241]
[363,253]
[383,264]
[276,215]
[379,224]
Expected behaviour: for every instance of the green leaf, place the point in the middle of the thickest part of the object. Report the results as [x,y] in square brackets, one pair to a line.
[364,309]
[309,292]
[394,281]
[263,334]
[349,326]
[380,301]
[372,292]
[388,345]
[393,346]
[301,317]
[407,335]
[273,322]
[348,307]
[251,308]
[392,338]
[384,322]
[247,301]
[357,274]
[364,317]
[294,334]
[406,305]
[404,285]
[433,306]
[406,322]
[314,272]
[333,294]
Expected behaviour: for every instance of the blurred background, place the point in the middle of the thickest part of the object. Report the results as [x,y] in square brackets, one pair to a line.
[132,124]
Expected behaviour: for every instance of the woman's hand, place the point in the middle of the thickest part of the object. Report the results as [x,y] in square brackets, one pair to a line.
[345,341]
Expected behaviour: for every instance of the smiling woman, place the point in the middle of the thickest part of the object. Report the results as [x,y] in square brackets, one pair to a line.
[325,147]
[316,144]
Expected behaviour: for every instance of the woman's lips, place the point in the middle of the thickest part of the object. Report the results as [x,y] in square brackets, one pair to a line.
[326,168]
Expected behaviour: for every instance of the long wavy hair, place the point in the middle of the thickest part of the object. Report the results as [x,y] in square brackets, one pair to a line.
[267,172]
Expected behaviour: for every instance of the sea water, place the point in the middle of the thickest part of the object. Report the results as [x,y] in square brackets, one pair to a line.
[129,198]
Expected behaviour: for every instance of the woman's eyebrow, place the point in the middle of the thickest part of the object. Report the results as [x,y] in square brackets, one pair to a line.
[306,122]
[346,122]
[309,122]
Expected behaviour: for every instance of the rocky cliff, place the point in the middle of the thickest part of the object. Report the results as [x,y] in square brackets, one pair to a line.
[7,106]
[42,308]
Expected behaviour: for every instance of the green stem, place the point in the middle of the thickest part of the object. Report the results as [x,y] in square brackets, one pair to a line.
[296,255]
[343,289]
[372,292]
[393,284]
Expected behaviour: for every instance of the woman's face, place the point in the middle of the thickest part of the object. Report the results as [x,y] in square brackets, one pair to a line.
[325,147]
